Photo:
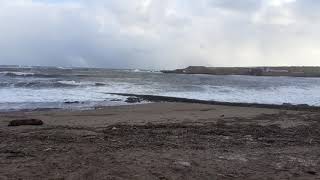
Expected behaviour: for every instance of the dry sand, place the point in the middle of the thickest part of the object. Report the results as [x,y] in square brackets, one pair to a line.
[162,141]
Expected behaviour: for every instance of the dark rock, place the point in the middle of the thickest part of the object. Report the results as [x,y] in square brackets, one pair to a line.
[312,172]
[24,122]
[133,100]
[72,102]
[100,84]
[14,154]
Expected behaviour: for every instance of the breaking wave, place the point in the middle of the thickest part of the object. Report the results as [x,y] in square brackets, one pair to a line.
[13,74]
[46,85]
[49,84]
[28,74]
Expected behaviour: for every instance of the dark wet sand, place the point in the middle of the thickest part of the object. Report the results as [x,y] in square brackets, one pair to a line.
[162,141]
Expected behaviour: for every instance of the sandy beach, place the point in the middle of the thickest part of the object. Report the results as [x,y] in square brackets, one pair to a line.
[162,141]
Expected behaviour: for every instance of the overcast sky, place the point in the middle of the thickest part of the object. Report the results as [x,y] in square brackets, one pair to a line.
[159,33]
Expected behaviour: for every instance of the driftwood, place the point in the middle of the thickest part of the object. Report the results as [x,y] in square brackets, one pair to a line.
[25,122]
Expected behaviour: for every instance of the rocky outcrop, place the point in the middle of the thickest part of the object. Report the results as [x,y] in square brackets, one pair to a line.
[72,102]
[251,71]
[133,99]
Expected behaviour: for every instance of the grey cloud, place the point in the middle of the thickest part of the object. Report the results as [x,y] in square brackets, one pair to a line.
[158,33]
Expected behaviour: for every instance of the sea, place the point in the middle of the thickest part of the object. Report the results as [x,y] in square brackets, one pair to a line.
[30,88]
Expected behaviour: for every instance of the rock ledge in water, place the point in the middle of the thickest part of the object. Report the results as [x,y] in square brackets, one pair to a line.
[25,122]
[72,102]
[133,100]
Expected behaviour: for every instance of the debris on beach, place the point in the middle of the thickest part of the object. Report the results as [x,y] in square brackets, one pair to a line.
[25,122]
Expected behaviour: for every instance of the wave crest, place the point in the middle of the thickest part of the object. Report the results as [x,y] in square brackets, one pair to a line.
[49,84]
[27,74]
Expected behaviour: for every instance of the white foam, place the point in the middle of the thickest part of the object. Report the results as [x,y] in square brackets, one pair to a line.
[306,91]
[75,83]
[292,95]
[82,83]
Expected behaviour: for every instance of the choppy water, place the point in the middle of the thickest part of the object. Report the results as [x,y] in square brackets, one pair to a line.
[49,87]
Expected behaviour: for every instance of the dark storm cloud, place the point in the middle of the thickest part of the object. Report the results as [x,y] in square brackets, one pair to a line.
[159,33]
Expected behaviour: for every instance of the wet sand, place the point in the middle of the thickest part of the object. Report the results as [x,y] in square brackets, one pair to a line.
[162,141]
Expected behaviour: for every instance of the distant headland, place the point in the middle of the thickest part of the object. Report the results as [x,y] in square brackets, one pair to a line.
[293,71]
